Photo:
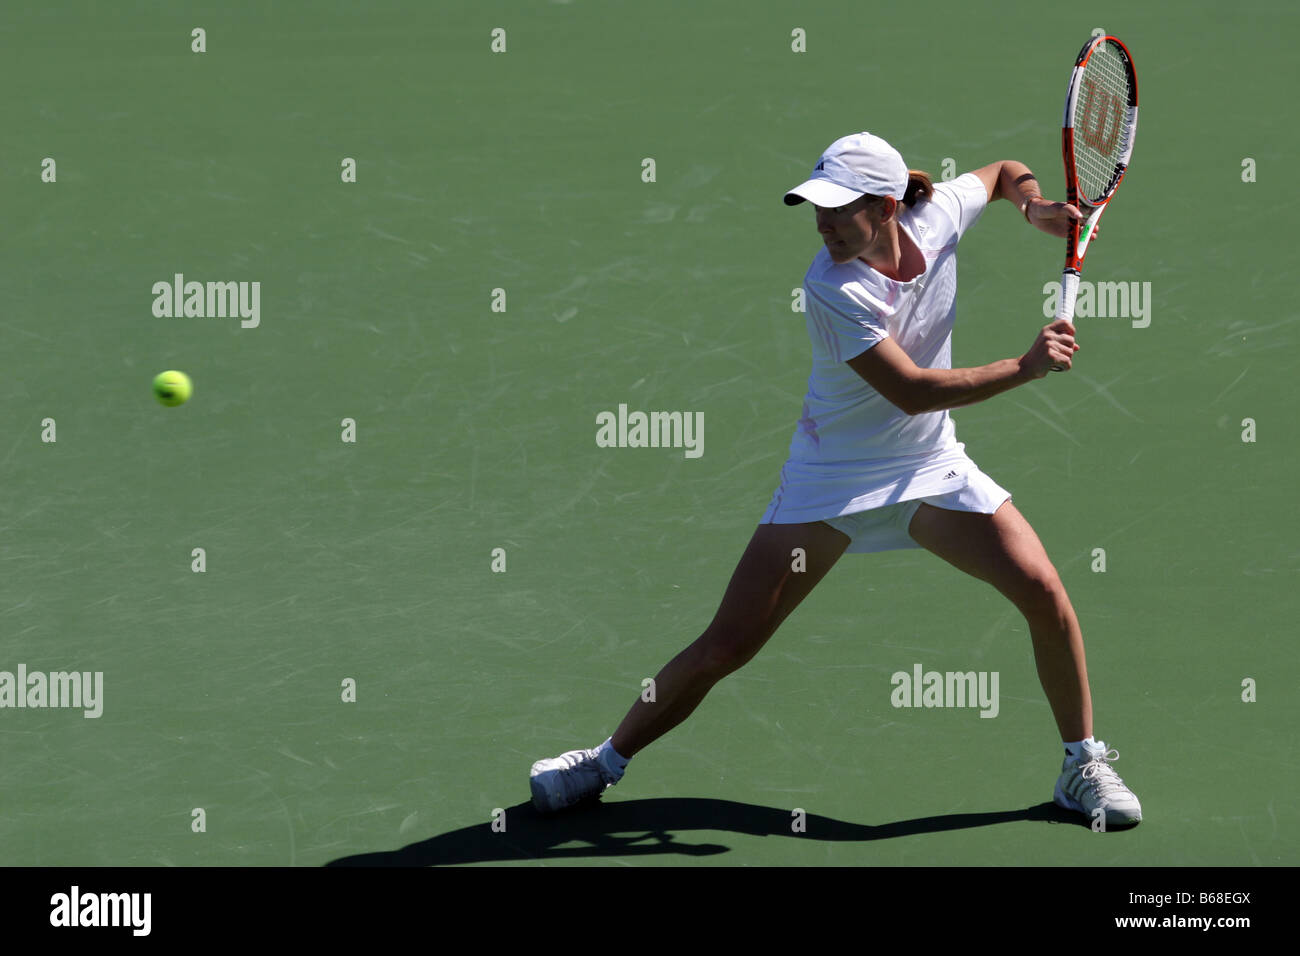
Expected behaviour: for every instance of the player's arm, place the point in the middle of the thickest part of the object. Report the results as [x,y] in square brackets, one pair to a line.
[915,390]
[1011,179]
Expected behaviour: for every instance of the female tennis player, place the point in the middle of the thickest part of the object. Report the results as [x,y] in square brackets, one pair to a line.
[875,465]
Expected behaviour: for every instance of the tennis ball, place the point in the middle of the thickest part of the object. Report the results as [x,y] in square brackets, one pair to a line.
[172,388]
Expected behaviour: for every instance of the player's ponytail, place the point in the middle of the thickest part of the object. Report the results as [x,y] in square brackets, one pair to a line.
[919,186]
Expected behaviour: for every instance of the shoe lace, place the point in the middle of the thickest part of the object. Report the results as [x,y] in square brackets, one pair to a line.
[573,758]
[1101,774]
[588,757]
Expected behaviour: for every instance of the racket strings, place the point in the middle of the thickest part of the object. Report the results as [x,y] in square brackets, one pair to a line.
[1101,122]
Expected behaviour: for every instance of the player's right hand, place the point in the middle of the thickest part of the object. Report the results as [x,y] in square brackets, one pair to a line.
[1054,347]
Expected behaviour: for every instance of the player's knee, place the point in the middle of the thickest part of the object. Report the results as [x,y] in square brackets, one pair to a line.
[1040,595]
[728,645]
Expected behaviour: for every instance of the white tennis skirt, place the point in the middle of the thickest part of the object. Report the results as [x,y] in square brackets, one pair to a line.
[885,528]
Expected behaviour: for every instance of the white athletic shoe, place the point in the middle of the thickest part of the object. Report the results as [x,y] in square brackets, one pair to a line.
[568,779]
[1088,782]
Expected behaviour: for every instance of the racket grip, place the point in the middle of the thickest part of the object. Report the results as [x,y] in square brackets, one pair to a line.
[1069,292]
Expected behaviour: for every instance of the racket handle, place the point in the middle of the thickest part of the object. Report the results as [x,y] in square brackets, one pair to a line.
[1069,292]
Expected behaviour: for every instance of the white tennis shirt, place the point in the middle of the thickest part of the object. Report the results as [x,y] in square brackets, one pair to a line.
[853,449]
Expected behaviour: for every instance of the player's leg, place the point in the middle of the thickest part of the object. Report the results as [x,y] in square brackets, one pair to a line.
[1003,550]
[764,589]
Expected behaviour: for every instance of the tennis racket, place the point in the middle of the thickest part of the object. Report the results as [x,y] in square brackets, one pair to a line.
[1101,113]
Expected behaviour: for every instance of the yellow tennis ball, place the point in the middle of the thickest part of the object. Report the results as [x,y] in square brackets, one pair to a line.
[172,388]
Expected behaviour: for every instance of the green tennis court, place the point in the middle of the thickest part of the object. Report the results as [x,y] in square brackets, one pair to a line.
[488,582]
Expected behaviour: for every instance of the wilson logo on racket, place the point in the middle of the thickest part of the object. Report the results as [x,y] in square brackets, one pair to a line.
[1108,109]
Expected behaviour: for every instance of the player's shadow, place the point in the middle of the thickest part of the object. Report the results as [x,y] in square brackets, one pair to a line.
[652,827]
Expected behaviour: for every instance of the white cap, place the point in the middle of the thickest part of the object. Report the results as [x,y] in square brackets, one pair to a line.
[853,165]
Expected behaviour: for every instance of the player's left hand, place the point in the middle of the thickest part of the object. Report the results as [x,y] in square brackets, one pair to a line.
[1054,217]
